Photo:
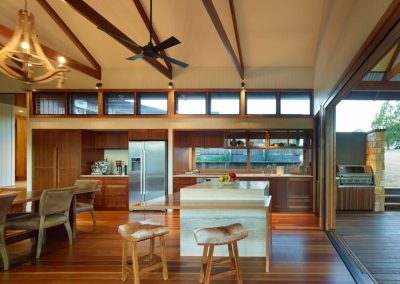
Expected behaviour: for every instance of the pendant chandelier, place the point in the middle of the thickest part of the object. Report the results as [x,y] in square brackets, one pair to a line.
[22,57]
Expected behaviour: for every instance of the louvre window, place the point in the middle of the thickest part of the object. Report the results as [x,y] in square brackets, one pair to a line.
[260,103]
[155,103]
[49,103]
[295,103]
[224,103]
[190,103]
[119,103]
[83,103]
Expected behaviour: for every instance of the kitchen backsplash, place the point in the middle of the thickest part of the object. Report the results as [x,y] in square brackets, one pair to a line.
[113,155]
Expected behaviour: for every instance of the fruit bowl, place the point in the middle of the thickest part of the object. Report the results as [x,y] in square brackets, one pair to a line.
[229,179]
[222,183]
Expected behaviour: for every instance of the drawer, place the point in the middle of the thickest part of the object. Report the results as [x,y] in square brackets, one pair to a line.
[113,181]
[117,202]
[299,204]
[116,189]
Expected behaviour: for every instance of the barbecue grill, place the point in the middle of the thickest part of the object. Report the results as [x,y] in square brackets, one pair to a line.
[355,175]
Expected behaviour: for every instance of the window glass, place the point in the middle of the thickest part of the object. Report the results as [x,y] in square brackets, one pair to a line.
[153,103]
[190,103]
[83,103]
[119,103]
[224,103]
[48,103]
[270,158]
[220,158]
[295,103]
[260,103]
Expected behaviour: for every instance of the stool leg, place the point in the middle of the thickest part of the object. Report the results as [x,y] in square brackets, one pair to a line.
[237,265]
[209,264]
[135,263]
[231,255]
[203,263]
[151,250]
[124,253]
[163,257]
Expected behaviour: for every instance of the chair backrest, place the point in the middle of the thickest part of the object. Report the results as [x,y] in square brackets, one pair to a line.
[87,184]
[56,200]
[6,199]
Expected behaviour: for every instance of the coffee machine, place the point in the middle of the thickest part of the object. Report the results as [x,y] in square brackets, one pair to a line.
[118,164]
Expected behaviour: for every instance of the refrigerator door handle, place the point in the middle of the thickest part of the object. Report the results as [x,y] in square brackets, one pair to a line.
[141,172]
[144,172]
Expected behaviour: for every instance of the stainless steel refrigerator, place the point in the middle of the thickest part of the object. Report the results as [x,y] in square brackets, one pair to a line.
[147,170]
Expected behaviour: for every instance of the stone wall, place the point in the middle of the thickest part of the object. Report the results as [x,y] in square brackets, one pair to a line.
[375,157]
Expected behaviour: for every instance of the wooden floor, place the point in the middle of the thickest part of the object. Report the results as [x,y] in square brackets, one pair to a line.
[298,256]
[375,239]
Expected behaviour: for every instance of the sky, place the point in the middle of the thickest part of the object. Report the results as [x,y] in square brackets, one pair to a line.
[356,115]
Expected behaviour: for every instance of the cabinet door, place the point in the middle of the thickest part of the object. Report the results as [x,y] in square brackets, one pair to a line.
[116,193]
[300,194]
[180,182]
[194,139]
[69,157]
[44,159]
[148,134]
[214,140]
[111,140]
[278,191]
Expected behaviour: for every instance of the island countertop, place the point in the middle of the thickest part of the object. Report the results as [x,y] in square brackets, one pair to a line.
[239,175]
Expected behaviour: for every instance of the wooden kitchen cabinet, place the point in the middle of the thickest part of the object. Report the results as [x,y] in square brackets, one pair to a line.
[114,194]
[278,191]
[111,139]
[56,158]
[300,194]
[214,140]
[193,139]
[148,134]
[180,182]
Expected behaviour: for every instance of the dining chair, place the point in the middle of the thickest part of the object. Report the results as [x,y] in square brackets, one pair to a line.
[85,201]
[6,200]
[54,206]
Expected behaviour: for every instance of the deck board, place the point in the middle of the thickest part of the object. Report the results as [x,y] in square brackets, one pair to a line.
[298,256]
[374,238]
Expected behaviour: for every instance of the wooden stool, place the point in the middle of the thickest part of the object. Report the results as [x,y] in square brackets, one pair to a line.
[135,232]
[215,236]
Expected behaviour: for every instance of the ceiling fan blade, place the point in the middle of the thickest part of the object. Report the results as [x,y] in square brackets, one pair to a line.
[169,42]
[117,37]
[172,60]
[137,56]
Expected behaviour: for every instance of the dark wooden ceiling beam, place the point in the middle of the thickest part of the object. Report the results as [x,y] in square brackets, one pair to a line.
[239,48]
[208,4]
[57,19]
[98,20]
[146,21]
[377,86]
[388,74]
[393,72]
[54,54]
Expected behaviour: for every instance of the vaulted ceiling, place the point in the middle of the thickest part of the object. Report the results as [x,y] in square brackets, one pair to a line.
[276,33]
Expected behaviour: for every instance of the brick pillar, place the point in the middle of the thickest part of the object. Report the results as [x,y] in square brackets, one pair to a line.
[376,159]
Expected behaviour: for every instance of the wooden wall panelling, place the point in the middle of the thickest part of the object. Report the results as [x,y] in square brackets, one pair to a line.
[20,147]
[193,139]
[69,156]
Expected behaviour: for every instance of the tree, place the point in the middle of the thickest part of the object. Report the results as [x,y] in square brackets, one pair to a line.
[388,118]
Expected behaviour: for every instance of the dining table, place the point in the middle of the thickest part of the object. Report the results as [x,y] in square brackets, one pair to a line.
[33,196]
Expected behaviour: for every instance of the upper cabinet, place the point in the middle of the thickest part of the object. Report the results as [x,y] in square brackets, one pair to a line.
[148,134]
[110,139]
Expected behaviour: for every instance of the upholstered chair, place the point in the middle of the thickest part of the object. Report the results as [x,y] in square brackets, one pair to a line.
[85,201]
[54,206]
[6,200]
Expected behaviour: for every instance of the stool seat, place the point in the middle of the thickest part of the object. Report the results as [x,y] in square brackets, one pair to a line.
[142,230]
[220,235]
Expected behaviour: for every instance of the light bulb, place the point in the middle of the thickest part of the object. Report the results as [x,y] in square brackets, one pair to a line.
[61,60]
[25,45]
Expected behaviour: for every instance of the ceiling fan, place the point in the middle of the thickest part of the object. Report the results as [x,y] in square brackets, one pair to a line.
[150,50]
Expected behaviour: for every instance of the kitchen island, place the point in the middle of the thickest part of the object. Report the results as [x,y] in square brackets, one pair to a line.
[211,204]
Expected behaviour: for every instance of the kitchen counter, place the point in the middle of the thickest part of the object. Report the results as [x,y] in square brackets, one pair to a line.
[98,176]
[239,175]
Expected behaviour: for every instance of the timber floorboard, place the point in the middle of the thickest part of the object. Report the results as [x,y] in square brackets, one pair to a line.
[374,238]
[298,256]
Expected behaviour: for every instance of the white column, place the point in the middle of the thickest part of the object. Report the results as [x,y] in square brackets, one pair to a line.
[7,140]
